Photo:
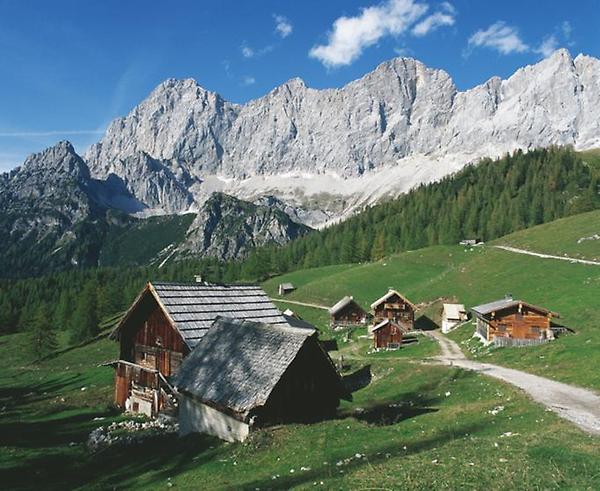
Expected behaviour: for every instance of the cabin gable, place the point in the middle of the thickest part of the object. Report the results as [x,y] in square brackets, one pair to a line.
[395,308]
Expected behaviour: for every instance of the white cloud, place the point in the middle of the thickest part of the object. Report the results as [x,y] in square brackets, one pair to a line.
[444,17]
[403,51]
[566,29]
[248,80]
[351,35]
[499,36]
[548,46]
[283,27]
[249,52]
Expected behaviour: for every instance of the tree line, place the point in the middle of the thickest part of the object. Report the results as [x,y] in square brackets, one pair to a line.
[485,201]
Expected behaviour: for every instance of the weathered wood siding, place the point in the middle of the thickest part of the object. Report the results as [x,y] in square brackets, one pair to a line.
[349,315]
[523,324]
[396,309]
[387,334]
[150,341]
[308,390]
[158,345]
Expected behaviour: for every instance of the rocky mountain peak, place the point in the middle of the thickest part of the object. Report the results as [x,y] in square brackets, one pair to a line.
[58,160]
[403,119]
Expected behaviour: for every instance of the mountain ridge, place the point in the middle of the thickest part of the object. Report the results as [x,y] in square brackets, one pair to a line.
[402,124]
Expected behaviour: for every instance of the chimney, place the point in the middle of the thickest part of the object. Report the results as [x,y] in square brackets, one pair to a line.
[198,278]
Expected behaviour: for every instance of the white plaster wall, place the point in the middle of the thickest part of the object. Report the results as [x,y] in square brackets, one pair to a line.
[448,325]
[195,417]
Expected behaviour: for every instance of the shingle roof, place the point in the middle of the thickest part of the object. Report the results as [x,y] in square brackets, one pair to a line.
[299,323]
[454,310]
[238,363]
[193,307]
[341,304]
[385,322]
[488,308]
[389,294]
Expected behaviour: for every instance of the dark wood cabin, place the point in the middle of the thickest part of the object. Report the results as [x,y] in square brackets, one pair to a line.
[509,321]
[246,374]
[165,322]
[395,307]
[347,312]
[387,334]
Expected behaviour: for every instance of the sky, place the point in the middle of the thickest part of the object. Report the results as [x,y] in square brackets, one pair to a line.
[69,67]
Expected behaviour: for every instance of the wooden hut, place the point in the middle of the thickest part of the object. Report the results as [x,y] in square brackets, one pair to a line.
[247,374]
[509,322]
[164,323]
[347,312]
[387,334]
[285,288]
[395,307]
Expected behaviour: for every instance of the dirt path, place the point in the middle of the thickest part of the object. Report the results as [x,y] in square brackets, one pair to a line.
[313,305]
[580,406]
[547,256]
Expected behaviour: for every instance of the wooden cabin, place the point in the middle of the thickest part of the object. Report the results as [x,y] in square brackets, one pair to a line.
[165,322]
[395,307]
[246,374]
[509,322]
[285,288]
[347,312]
[452,315]
[387,334]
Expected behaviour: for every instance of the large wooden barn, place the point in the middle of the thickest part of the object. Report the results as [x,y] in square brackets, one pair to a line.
[164,323]
[395,307]
[347,312]
[513,322]
[246,374]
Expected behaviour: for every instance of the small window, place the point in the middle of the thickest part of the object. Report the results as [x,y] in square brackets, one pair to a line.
[158,341]
[535,329]
[502,327]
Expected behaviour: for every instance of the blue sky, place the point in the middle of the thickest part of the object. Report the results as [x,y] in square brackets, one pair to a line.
[67,68]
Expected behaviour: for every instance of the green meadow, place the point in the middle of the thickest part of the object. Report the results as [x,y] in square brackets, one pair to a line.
[411,424]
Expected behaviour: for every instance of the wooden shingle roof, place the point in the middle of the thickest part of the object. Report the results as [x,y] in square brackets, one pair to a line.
[193,307]
[488,308]
[390,294]
[344,302]
[238,363]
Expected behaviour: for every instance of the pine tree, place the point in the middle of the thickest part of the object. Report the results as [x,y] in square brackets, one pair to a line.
[63,310]
[378,251]
[42,337]
[84,324]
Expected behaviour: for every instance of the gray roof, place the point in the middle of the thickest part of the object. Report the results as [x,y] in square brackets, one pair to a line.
[193,307]
[488,308]
[341,304]
[299,323]
[238,363]
[287,286]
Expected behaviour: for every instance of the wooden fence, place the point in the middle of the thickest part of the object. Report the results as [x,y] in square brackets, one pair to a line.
[504,342]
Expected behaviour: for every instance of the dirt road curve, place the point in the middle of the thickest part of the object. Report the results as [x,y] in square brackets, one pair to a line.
[313,305]
[580,406]
[547,256]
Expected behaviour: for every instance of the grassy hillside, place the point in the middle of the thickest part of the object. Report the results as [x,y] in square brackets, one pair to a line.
[478,275]
[577,236]
[414,426]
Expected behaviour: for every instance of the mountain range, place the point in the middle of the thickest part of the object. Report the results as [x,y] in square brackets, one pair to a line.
[295,158]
